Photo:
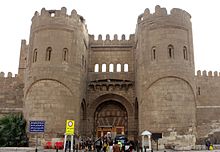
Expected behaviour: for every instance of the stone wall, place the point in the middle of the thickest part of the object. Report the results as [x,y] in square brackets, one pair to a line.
[208,106]
[150,76]
[164,77]
[11,94]
[112,84]
[111,52]
[56,70]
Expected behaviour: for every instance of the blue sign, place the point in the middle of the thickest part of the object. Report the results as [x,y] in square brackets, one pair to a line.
[36,126]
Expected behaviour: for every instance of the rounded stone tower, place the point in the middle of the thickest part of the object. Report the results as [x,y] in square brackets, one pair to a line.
[56,69]
[165,73]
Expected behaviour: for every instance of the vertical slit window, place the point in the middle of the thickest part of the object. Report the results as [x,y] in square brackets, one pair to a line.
[125,67]
[65,54]
[35,56]
[83,61]
[48,53]
[103,67]
[96,68]
[111,67]
[153,53]
[136,109]
[170,51]
[185,53]
[118,68]
[85,64]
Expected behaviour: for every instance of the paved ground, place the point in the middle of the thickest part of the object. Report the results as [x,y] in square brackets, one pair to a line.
[135,151]
[29,149]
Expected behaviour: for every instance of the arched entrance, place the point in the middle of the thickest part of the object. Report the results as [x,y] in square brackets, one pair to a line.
[111,116]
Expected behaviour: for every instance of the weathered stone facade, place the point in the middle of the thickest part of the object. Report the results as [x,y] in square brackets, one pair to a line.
[11,94]
[126,86]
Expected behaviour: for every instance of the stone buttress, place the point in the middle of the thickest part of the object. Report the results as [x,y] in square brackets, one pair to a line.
[55,73]
[165,75]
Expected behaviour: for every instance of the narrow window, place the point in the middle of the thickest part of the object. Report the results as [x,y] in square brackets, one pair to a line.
[199,91]
[83,61]
[125,67]
[136,109]
[85,64]
[96,68]
[170,51]
[52,14]
[153,53]
[103,67]
[48,53]
[118,68]
[111,67]
[185,53]
[35,56]
[65,54]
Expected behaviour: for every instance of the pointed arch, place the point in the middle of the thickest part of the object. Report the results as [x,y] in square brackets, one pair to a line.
[118,67]
[96,68]
[185,53]
[104,67]
[126,67]
[111,67]
[48,53]
[65,55]
[153,53]
[170,49]
[35,56]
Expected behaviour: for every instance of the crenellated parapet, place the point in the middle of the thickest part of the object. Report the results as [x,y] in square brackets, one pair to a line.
[11,94]
[57,18]
[9,75]
[112,42]
[177,16]
[207,74]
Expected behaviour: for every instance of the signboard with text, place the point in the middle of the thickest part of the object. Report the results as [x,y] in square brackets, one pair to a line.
[70,127]
[36,126]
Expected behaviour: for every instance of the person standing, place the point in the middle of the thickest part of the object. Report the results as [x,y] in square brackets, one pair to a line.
[98,145]
[208,143]
[116,147]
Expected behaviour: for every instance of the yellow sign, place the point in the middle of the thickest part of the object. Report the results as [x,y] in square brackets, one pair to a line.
[69,127]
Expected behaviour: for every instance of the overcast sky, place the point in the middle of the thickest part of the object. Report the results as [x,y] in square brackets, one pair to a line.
[110,17]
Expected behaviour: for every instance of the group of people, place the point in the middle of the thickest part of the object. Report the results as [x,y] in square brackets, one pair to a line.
[102,144]
[107,144]
[86,145]
[208,144]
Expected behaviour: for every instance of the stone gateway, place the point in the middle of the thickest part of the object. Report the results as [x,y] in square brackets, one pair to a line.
[119,85]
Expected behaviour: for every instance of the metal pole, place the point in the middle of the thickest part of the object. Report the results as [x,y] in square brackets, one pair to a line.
[71,143]
[36,143]
[64,146]
[149,141]
[143,144]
